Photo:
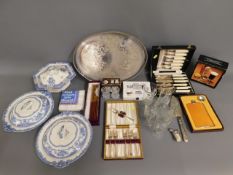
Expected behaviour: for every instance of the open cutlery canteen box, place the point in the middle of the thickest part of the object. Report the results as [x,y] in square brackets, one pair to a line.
[168,66]
[122,131]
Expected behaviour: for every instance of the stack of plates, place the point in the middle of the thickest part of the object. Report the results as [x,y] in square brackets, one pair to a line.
[28,111]
[54,77]
[64,139]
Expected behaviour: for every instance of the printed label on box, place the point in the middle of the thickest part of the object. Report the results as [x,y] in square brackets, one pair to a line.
[69,97]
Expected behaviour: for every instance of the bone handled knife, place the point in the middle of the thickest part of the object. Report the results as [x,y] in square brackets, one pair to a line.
[175,54]
[178,50]
[179,114]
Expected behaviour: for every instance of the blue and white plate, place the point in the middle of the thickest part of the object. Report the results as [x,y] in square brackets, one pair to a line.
[54,77]
[63,139]
[28,111]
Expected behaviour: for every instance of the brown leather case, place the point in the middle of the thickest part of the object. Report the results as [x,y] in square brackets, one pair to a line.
[199,115]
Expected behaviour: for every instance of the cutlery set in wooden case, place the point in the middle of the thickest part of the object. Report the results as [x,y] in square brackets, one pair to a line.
[122,131]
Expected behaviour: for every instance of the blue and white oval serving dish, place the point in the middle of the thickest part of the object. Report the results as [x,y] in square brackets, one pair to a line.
[63,139]
[54,77]
[28,111]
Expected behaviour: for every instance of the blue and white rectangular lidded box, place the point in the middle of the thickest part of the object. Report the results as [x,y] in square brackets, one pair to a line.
[72,100]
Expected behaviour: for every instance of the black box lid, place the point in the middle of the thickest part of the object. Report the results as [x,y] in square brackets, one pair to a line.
[213,62]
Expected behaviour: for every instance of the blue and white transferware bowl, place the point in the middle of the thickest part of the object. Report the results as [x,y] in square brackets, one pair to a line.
[54,77]
[63,139]
[28,111]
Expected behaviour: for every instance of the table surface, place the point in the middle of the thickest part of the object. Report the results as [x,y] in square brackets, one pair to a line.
[162,155]
[34,33]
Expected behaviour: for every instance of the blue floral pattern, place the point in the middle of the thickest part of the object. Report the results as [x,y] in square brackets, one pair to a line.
[15,123]
[51,84]
[61,157]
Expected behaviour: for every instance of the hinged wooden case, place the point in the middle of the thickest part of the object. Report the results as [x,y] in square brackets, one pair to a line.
[92,107]
[168,65]
[209,71]
[200,113]
[122,131]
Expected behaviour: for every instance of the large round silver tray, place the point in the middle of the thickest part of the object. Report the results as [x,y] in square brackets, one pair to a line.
[110,55]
